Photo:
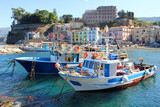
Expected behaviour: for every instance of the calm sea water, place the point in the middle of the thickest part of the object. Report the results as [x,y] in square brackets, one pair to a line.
[47,87]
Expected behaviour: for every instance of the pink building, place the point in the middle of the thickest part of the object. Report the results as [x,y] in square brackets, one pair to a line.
[61,38]
[119,33]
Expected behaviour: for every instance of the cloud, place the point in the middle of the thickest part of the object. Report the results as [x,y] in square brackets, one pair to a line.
[86,0]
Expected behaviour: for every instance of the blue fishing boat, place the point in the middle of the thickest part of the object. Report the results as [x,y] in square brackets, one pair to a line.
[62,54]
[107,71]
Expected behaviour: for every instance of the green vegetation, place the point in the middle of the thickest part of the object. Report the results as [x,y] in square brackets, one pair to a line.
[141,23]
[66,18]
[156,23]
[109,24]
[39,16]
[129,15]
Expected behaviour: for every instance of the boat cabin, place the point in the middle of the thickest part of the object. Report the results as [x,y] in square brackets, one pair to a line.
[101,67]
[65,57]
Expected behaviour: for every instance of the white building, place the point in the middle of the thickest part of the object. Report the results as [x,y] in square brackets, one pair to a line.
[93,35]
[69,36]
[32,35]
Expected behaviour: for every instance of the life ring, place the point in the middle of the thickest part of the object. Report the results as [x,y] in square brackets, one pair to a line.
[95,54]
[86,54]
[76,48]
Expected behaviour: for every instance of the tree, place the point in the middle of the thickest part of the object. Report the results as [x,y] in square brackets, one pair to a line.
[55,12]
[121,14]
[109,24]
[25,18]
[39,16]
[61,20]
[67,18]
[17,13]
[52,18]
[130,15]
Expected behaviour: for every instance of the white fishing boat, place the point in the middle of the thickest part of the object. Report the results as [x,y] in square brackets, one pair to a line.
[107,71]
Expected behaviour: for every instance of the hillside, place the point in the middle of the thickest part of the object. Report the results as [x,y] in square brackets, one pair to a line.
[4,31]
[19,32]
[149,19]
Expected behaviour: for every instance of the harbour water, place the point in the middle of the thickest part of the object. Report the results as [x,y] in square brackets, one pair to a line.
[47,87]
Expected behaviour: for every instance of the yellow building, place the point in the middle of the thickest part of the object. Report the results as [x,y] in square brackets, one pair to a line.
[144,35]
[75,36]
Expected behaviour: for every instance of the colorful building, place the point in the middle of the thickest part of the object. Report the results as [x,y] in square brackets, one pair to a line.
[75,36]
[93,35]
[61,38]
[144,35]
[78,36]
[119,33]
[83,35]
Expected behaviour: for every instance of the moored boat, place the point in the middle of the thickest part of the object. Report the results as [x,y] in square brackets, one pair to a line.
[107,71]
[64,55]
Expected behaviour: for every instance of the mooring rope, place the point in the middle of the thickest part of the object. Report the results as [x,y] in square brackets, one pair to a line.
[56,99]
[5,97]
[9,63]
[33,68]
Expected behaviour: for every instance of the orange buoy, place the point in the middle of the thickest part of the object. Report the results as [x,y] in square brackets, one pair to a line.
[85,54]
[57,65]
[67,66]
[76,48]
[80,65]
[95,54]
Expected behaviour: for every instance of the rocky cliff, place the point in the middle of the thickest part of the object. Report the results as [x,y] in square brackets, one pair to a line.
[18,32]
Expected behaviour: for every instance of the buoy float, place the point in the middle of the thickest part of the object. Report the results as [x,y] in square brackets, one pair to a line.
[76,48]
[67,66]
[95,54]
[57,65]
[85,54]
[80,65]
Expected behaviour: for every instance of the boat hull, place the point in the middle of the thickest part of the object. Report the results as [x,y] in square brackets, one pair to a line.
[42,65]
[105,83]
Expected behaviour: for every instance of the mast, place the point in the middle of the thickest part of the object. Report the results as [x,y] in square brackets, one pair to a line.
[107,47]
[53,43]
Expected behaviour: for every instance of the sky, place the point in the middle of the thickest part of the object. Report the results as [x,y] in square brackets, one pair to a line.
[141,8]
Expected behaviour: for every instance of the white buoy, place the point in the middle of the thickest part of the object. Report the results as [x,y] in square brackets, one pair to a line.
[125,78]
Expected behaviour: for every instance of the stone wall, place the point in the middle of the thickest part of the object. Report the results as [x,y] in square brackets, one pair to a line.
[18,32]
